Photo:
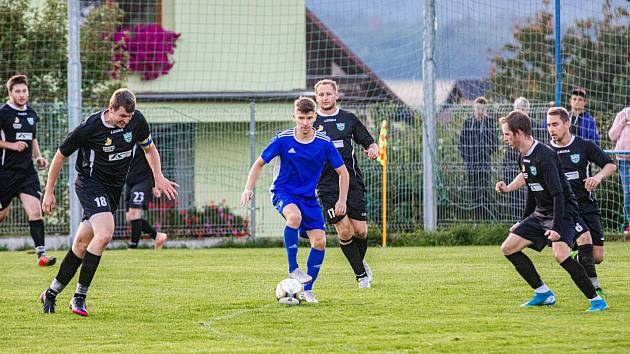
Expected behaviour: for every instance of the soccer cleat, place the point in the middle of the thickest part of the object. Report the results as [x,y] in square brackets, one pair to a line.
[544,299]
[160,239]
[626,230]
[44,261]
[600,292]
[364,282]
[598,305]
[77,304]
[573,255]
[368,271]
[309,296]
[48,303]
[300,276]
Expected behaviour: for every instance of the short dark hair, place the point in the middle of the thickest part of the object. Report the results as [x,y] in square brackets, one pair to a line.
[305,104]
[579,91]
[16,80]
[559,111]
[123,98]
[481,100]
[518,120]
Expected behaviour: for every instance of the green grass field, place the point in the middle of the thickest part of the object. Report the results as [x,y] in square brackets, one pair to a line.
[457,299]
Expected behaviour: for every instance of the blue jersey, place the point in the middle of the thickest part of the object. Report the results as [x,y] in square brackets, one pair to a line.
[299,164]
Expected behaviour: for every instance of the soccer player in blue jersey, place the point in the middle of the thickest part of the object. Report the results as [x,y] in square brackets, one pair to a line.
[302,154]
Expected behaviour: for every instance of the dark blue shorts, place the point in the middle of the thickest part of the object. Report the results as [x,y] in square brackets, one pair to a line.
[534,226]
[312,217]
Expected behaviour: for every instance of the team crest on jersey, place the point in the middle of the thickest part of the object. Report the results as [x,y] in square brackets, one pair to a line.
[320,128]
[533,170]
[341,126]
[575,158]
[128,136]
[30,120]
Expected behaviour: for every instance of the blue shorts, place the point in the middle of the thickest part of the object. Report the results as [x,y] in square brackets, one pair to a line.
[310,209]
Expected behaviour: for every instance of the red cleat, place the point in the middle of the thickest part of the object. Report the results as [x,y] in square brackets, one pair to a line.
[44,261]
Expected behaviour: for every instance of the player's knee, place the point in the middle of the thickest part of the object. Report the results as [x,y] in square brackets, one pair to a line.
[507,249]
[361,234]
[294,220]
[318,242]
[344,234]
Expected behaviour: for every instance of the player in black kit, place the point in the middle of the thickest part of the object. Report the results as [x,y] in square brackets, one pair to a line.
[105,141]
[576,154]
[550,215]
[139,187]
[343,127]
[18,148]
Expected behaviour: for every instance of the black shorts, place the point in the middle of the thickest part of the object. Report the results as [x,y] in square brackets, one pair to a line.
[139,194]
[594,224]
[14,185]
[355,206]
[533,228]
[96,198]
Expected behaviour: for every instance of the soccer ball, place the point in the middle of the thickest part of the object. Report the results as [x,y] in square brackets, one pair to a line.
[289,292]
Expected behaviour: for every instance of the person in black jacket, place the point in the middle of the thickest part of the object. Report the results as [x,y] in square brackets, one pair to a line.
[478,140]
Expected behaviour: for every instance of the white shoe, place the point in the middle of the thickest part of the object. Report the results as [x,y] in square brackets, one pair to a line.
[310,297]
[364,282]
[160,239]
[368,271]
[300,276]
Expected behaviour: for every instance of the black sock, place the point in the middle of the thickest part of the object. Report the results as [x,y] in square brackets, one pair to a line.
[351,251]
[526,269]
[585,257]
[362,245]
[68,268]
[136,231]
[90,264]
[148,229]
[37,233]
[578,274]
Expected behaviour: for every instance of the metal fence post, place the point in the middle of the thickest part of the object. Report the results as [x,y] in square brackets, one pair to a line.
[252,159]
[428,131]
[74,104]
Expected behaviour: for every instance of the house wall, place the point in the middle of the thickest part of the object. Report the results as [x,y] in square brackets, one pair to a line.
[233,46]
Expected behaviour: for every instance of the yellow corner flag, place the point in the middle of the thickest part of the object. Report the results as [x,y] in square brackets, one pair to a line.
[382,144]
[382,158]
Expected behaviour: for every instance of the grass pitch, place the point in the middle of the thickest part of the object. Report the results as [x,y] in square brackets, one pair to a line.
[455,299]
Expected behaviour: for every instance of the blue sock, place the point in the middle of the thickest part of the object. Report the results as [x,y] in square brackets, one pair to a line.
[291,244]
[314,263]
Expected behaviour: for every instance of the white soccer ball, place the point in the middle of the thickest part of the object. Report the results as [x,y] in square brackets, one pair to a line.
[289,292]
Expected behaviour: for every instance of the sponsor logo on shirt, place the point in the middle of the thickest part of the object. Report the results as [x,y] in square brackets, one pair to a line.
[108,146]
[338,143]
[30,120]
[575,158]
[116,131]
[128,136]
[17,120]
[17,126]
[24,136]
[341,126]
[533,170]
[120,155]
[320,128]
[536,187]
[572,175]
[291,151]
[108,142]
[330,120]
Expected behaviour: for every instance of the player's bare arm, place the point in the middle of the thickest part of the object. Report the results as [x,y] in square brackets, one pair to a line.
[590,183]
[15,146]
[254,172]
[344,183]
[162,184]
[48,202]
[37,156]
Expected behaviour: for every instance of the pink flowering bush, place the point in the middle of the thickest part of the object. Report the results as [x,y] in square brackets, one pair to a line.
[149,48]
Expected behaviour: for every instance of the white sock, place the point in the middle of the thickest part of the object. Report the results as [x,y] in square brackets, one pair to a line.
[596,298]
[541,289]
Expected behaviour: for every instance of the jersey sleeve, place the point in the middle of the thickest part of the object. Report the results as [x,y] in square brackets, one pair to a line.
[596,155]
[143,134]
[333,156]
[272,150]
[73,141]
[360,134]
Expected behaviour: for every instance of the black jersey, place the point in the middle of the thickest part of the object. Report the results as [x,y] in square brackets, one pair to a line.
[342,128]
[16,125]
[543,173]
[105,151]
[575,159]
[139,170]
